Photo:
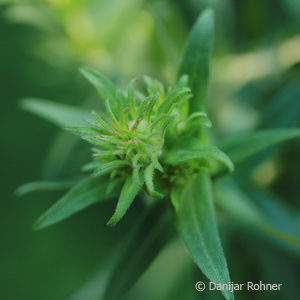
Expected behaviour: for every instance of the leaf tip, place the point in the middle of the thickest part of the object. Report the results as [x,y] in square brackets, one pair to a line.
[37,225]
[113,220]
[208,13]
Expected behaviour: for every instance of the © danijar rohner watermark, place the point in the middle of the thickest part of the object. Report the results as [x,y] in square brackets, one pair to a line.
[231,287]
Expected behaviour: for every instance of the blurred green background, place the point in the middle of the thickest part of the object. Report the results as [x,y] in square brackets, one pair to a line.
[255,83]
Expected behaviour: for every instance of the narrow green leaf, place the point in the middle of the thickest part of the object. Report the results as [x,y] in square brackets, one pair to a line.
[150,106]
[171,99]
[148,176]
[122,100]
[182,81]
[44,186]
[128,193]
[175,195]
[150,235]
[196,224]
[110,110]
[59,114]
[96,142]
[115,184]
[235,203]
[283,221]
[137,176]
[262,212]
[189,148]
[156,163]
[92,165]
[59,153]
[196,59]
[159,120]
[167,122]
[244,145]
[146,106]
[84,194]
[200,118]
[83,130]
[136,159]
[104,86]
[102,122]
[131,97]
[154,86]
[108,167]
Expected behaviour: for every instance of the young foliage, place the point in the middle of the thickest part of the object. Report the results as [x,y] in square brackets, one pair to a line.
[242,146]
[196,60]
[192,149]
[146,144]
[128,193]
[196,223]
[129,141]
[84,194]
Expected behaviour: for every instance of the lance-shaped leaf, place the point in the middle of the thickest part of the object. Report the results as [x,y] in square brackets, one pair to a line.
[171,99]
[84,194]
[108,167]
[148,176]
[196,224]
[244,145]
[190,148]
[59,114]
[81,131]
[44,186]
[284,225]
[196,60]
[105,88]
[150,235]
[262,212]
[128,193]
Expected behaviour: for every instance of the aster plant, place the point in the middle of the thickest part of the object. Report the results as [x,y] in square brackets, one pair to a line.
[152,145]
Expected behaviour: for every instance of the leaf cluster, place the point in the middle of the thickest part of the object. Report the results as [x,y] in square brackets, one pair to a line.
[153,142]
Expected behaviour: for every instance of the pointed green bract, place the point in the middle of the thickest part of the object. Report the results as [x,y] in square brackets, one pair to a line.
[104,86]
[154,86]
[83,130]
[201,118]
[59,114]
[136,175]
[196,59]
[105,168]
[131,142]
[190,148]
[174,97]
[196,224]
[244,145]
[101,122]
[149,108]
[131,96]
[148,175]
[84,194]
[128,193]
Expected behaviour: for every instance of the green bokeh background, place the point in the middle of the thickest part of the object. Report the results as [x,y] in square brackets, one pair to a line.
[255,83]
